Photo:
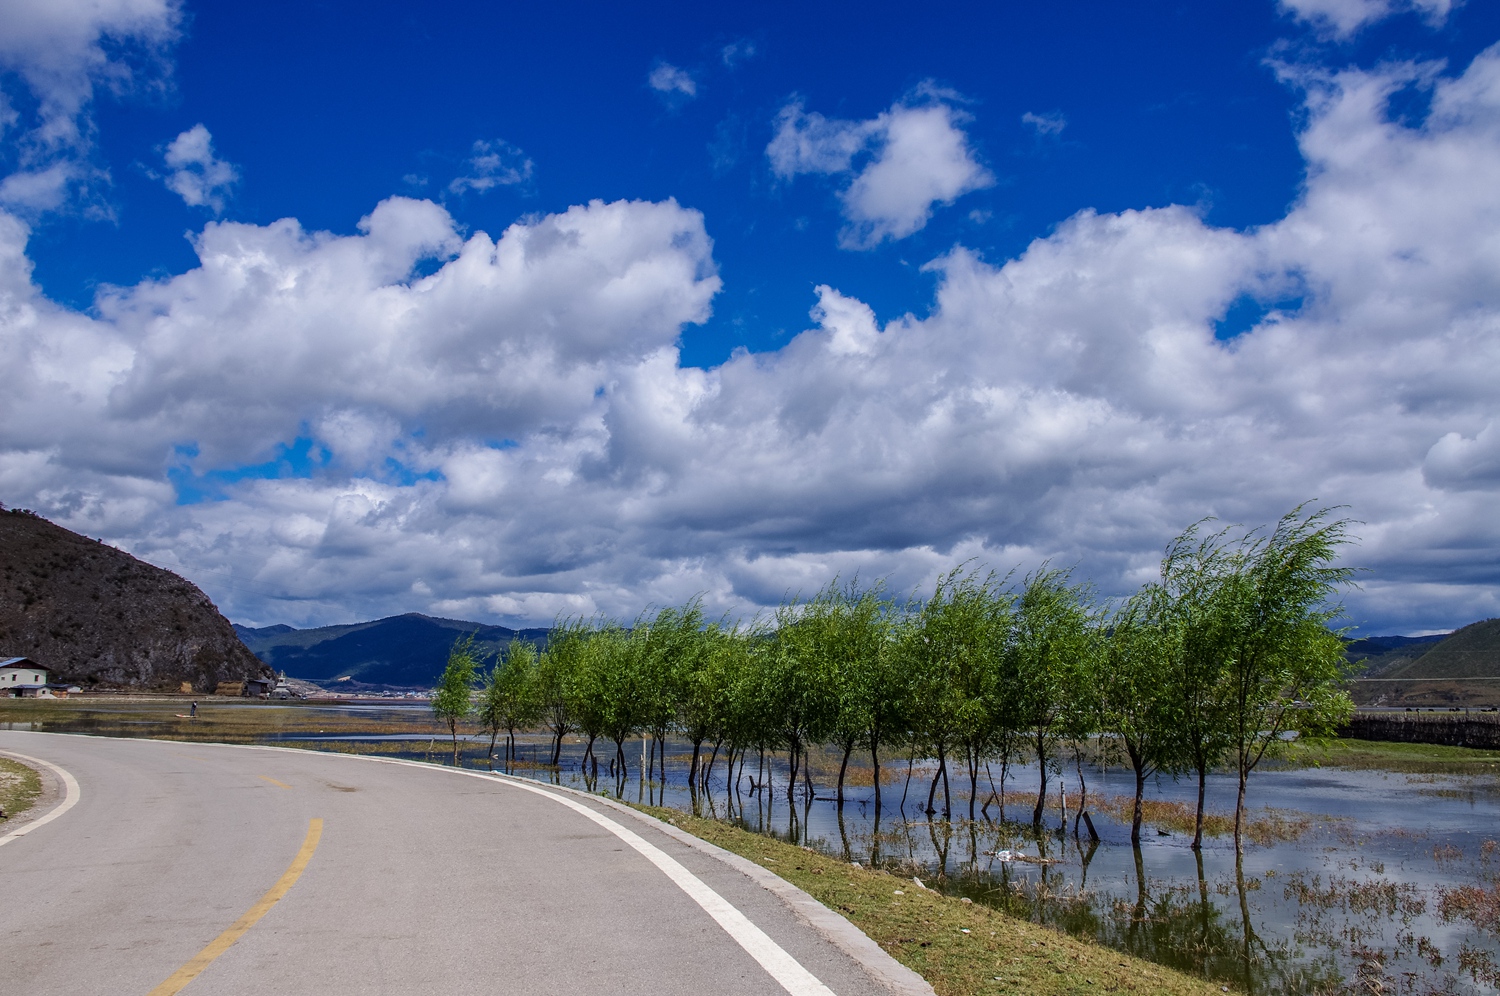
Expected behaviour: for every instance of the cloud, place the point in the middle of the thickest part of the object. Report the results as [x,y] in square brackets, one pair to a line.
[63,52]
[671,83]
[737,52]
[493,164]
[198,176]
[1342,19]
[513,435]
[899,165]
[1045,125]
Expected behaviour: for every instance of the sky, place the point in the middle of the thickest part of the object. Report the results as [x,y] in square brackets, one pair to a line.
[506,312]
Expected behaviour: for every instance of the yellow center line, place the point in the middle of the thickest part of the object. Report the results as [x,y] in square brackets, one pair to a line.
[187,973]
[268,778]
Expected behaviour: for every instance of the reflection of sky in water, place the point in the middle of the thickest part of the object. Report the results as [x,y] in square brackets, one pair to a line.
[1366,826]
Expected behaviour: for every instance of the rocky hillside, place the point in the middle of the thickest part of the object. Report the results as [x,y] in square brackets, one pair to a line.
[99,617]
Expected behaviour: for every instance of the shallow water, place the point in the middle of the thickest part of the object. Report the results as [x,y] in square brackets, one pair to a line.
[1345,890]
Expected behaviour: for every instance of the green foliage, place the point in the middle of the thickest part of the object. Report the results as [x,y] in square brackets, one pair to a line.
[509,699]
[451,700]
[1215,661]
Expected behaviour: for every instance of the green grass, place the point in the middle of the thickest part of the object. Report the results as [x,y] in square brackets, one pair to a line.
[19,787]
[1397,757]
[924,930]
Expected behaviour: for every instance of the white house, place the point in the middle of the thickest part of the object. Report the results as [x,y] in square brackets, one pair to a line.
[22,678]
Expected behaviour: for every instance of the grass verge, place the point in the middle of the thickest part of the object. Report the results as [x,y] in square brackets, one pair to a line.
[1398,757]
[959,947]
[19,787]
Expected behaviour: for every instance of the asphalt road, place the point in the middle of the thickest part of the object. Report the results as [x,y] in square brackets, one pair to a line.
[417,880]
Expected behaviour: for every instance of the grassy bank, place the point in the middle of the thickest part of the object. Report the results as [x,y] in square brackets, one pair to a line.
[1398,757]
[957,946]
[19,788]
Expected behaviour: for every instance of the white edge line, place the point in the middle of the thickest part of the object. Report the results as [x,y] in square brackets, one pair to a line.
[781,966]
[72,794]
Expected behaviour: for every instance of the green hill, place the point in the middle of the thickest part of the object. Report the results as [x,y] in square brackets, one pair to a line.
[1448,673]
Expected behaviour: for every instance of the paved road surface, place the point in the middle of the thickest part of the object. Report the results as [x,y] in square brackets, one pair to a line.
[420,881]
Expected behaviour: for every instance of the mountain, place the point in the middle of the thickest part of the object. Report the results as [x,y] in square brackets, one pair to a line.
[1377,654]
[407,651]
[1460,657]
[99,617]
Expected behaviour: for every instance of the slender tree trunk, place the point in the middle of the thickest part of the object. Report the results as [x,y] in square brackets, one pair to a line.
[1198,821]
[792,757]
[453,728]
[1239,814]
[910,761]
[844,766]
[494,736]
[932,789]
[1041,763]
[1083,791]
[971,758]
[1135,817]
[708,768]
[875,760]
[693,765]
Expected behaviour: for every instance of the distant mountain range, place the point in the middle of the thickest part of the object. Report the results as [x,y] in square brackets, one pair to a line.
[407,651]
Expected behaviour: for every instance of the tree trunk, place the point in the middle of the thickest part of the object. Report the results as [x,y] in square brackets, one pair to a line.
[1198,822]
[453,728]
[1041,793]
[494,736]
[1135,818]
[932,789]
[708,767]
[909,762]
[875,760]
[1083,792]
[971,758]
[1239,814]
[844,766]
[792,757]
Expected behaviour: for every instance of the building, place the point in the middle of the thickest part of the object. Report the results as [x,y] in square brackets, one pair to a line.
[21,677]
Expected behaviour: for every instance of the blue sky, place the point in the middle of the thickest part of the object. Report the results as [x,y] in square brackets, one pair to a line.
[1018,282]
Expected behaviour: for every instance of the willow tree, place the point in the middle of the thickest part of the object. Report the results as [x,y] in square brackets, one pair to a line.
[1052,637]
[797,683]
[867,674]
[451,701]
[508,701]
[1285,668]
[946,647]
[1187,603]
[1140,660]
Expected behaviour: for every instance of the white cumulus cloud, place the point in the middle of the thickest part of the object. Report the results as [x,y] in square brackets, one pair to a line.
[898,166]
[197,175]
[512,435]
[63,52]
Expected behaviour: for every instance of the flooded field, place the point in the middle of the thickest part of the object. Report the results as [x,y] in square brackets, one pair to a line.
[1368,869]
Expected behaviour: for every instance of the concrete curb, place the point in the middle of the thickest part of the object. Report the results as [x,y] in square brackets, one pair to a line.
[885,970]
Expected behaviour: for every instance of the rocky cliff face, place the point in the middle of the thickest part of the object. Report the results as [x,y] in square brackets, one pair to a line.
[97,616]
